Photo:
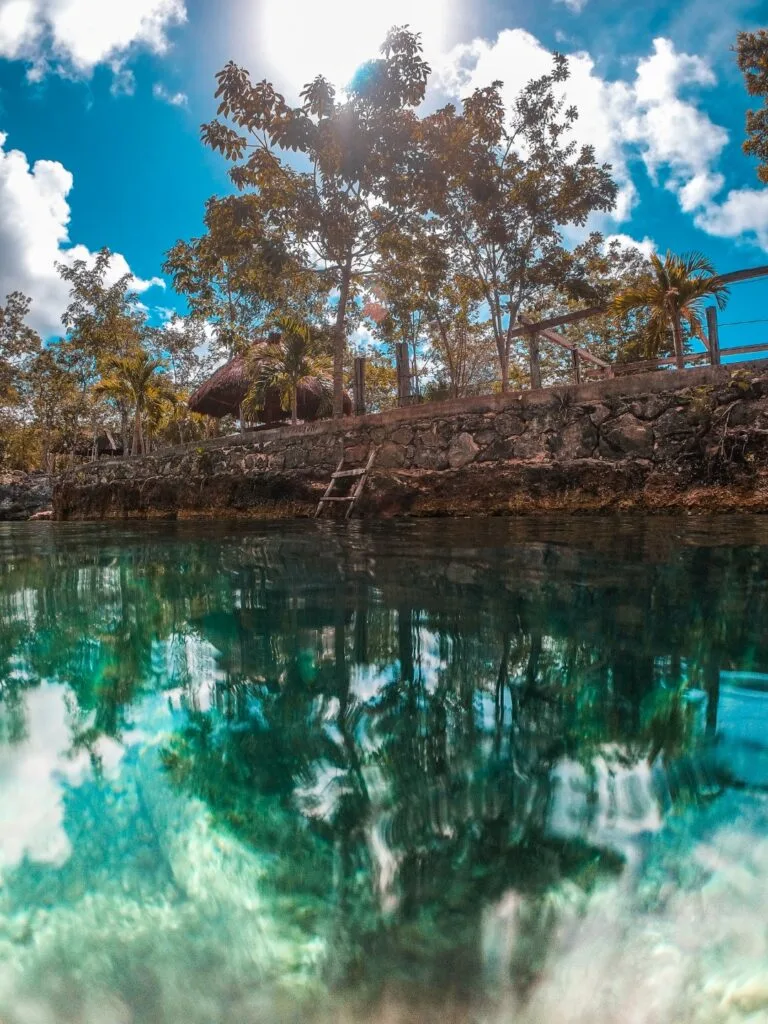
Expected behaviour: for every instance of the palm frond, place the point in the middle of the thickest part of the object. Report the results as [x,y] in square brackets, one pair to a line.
[695,324]
[678,283]
[629,300]
[693,263]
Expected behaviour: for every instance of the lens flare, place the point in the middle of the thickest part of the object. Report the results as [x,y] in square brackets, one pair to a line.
[303,38]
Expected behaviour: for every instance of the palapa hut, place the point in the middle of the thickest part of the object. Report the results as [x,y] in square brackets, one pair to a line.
[223,394]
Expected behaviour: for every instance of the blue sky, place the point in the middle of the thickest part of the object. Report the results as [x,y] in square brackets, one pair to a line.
[101,103]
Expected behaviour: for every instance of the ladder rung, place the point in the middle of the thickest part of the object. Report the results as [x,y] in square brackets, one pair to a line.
[348,472]
[336,499]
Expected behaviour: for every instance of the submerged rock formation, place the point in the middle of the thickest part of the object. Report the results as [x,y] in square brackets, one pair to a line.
[665,440]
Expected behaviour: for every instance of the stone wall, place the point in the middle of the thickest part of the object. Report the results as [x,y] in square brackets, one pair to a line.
[665,440]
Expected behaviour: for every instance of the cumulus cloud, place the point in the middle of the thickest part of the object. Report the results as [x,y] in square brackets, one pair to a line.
[647,245]
[176,99]
[35,774]
[517,56]
[74,36]
[34,236]
[654,119]
[742,214]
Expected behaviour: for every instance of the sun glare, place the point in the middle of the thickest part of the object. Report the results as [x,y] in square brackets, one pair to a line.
[303,38]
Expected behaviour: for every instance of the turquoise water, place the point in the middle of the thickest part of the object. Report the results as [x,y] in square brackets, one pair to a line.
[446,771]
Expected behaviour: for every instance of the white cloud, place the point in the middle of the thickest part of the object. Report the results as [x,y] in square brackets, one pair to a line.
[654,118]
[362,341]
[660,76]
[176,99]
[34,775]
[34,236]
[574,6]
[74,36]
[699,190]
[516,57]
[647,246]
[742,214]
[301,39]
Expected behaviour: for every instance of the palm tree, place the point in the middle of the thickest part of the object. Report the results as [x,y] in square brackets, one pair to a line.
[286,366]
[114,389]
[135,377]
[673,293]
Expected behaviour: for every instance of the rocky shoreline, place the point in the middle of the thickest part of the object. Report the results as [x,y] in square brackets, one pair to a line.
[24,495]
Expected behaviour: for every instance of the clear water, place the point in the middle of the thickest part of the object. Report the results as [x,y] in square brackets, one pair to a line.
[457,772]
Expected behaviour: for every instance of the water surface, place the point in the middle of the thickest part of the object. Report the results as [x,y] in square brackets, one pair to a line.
[451,771]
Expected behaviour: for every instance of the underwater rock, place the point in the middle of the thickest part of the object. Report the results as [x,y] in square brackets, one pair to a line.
[749,996]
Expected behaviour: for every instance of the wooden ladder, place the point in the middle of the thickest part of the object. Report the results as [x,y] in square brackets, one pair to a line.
[347,474]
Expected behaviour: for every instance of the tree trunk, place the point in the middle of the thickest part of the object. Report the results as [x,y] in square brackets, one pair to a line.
[535,360]
[340,340]
[295,406]
[504,360]
[677,331]
[415,371]
[136,449]
[125,431]
[49,459]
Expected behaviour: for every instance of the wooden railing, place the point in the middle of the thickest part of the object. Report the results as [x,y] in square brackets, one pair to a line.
[692,359]
[544,330]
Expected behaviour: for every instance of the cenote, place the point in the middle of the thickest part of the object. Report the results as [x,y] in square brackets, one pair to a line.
[465,771]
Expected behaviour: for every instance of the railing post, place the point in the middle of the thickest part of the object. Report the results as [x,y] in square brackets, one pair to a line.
[533,347]
[576,365]
[359,385]
[714,336]
[403,373]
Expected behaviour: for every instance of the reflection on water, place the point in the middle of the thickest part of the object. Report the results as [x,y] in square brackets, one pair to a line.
[468,771]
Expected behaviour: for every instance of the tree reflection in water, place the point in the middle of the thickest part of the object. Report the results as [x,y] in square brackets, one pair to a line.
[423,727]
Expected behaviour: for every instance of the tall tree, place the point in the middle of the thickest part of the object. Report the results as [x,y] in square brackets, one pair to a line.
[101,318]
[56,402]
[606,269]
[237,273]
[18,344]
[354,150]
[412,273]
[103,321]
[673,294]
[752,57]
[503,183]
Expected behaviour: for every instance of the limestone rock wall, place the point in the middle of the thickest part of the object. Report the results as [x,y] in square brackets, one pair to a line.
[664,440]
[23,494]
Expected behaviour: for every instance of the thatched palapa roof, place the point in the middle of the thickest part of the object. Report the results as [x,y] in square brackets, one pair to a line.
[223,394]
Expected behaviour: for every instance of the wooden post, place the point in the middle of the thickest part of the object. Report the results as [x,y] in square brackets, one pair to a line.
[533,347]
[403,373]
[576,365]
[714,336]
[359,386]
